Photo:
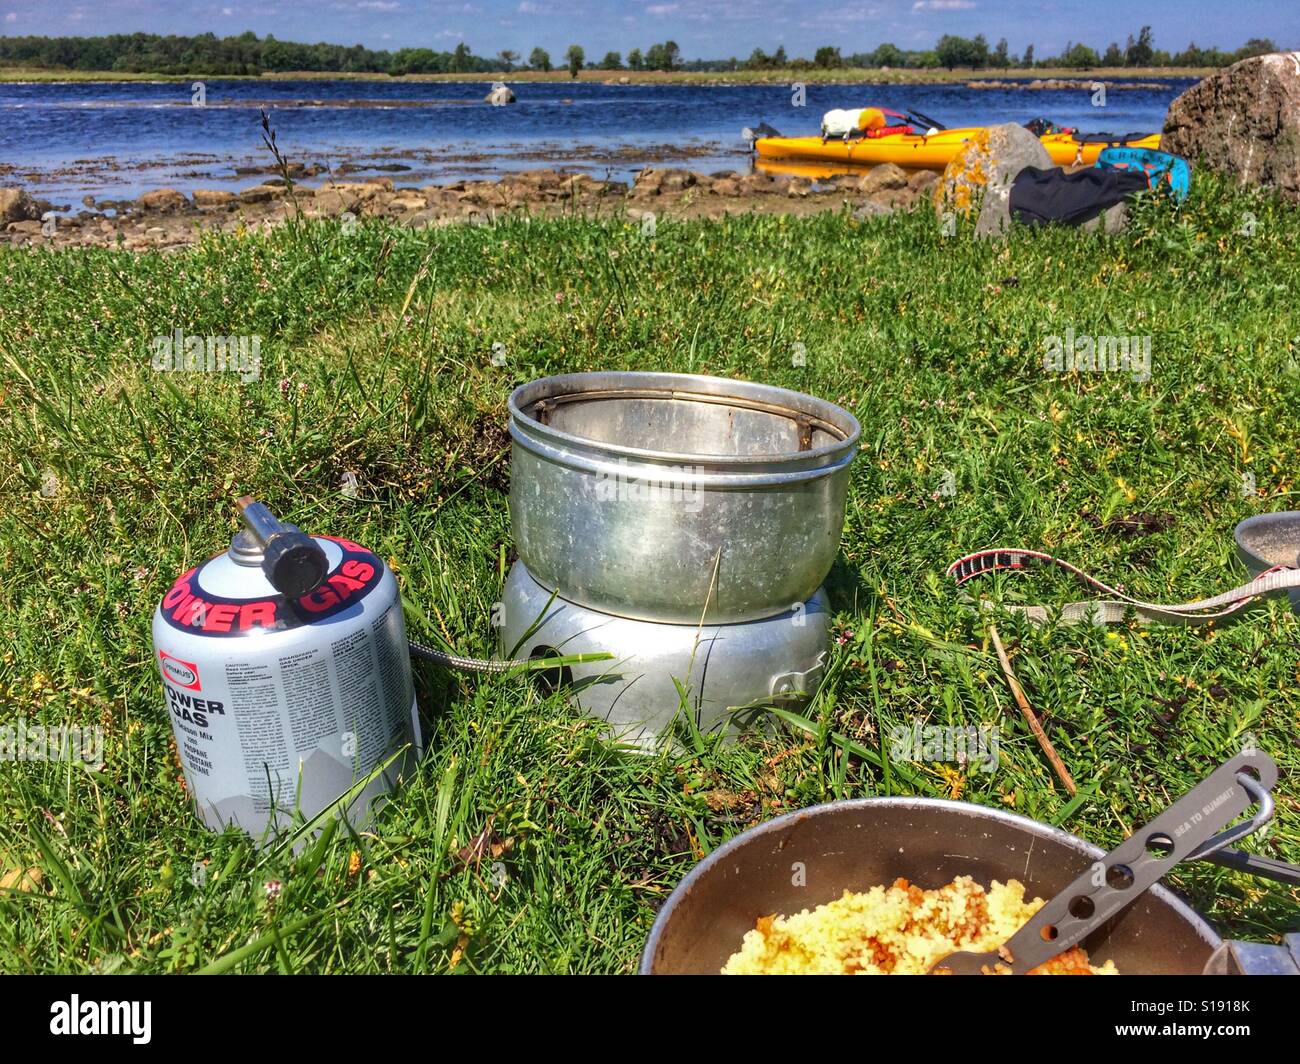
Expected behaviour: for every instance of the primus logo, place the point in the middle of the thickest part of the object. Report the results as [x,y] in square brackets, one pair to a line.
[133,1018]
[182,673]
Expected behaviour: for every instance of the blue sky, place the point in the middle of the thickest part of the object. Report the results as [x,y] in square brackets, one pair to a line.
[702,28]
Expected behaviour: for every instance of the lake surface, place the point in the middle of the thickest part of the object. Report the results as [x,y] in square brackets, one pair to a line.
[119,139]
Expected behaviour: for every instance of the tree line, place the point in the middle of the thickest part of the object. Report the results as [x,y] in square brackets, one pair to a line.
[207,54]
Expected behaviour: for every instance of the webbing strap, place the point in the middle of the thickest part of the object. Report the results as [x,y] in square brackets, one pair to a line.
[1116,608]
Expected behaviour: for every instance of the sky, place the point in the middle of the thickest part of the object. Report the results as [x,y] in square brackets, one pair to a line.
[703,29]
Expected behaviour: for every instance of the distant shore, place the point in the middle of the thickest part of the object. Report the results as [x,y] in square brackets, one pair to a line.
[847,75]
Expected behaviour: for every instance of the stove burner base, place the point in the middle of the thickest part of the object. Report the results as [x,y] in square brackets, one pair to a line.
[723,668]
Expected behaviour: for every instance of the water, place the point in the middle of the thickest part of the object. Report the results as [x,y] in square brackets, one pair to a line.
[119,139]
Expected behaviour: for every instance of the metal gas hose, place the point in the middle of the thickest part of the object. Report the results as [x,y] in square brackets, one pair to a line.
[454,661]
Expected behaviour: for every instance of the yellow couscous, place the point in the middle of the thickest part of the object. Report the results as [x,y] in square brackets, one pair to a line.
[897,930]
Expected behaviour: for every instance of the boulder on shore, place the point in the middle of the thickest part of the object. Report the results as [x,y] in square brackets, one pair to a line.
[652,182]
[163,199]
[500,96]
[17,206]
[213,197]
[1243,122]
[881,178]
[978,180]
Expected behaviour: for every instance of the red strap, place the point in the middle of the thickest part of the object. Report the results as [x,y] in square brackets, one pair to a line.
[889,131]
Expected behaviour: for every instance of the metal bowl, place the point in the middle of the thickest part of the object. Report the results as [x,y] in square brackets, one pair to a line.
[1268,540]
[656,495]
[856,845]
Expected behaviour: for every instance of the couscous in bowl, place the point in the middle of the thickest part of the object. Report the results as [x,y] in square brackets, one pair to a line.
[809,858]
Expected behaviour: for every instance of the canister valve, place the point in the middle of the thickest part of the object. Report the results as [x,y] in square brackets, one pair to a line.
[292,561]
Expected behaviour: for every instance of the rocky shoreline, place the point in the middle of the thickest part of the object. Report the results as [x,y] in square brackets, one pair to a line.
[166,219]
[1049,84]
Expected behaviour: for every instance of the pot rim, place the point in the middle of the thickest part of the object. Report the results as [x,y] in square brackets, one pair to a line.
[688,384]
[1035,827]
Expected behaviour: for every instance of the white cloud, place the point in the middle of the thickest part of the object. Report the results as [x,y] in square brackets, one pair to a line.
[12,16]
[943,5]
[662,9]
[227,11]
[529,8]
[379,5]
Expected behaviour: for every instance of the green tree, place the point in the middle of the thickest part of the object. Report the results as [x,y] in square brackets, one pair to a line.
[461,59]
[779,59]
[827,58]
[1080,57]
[612,61]
[888,55]
[958,51]
[1139,53]
[758,60]
[574,58]
[662,56]
[634,60]
[1001,58]
[1256,46]
[539,59]
[1027,61]
[508,59]
[1113,57]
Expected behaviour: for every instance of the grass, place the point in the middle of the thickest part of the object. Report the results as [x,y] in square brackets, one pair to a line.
[117,478]
[844,75]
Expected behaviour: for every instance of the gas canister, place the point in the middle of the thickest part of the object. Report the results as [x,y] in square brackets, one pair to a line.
[287,676]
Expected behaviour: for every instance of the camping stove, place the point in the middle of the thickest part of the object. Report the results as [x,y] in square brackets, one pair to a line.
[683,525]
[723,669]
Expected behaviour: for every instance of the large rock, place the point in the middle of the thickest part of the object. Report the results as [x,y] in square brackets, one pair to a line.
[1243,122]
[17,206]
[259,194]
[163,199]
[652,182]
[212,197]
[883,177]
[500,96]
[978,180]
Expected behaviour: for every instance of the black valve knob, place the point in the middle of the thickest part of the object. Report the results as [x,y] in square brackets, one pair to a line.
[292,561]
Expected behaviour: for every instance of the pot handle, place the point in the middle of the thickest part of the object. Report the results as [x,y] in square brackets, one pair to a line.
[1256,958]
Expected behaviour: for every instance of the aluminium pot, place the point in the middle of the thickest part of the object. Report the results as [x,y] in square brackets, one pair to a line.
[673,497]
[859,844]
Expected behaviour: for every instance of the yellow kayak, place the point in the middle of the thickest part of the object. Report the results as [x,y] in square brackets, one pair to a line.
[919,152]
[1066,150]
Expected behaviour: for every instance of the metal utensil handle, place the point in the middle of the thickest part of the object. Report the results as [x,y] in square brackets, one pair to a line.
[1261,799]
[1119,878]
